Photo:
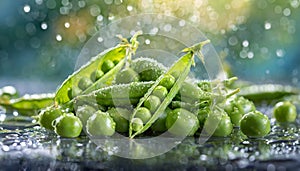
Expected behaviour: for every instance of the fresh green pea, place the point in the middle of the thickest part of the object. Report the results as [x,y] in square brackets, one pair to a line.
[152,103]
[168,81]
[143,113]
[127,75]
[100,124]
[95,75]
[182,122]
[84,112]
[255,124]
[160,91]
[67,125]
[190,92]
[73,92]
[121,117]
[285,112]
[224,127]
[137,124]
[160,124]
[107,65]
[47,116]
[203,114]
[84,83]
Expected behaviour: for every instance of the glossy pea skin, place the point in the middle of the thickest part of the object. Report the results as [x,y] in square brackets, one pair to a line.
[100,124]
[160,124]
[84,112]
[127,75]
[96,75]
[120,117]
[47,116]
[224,127]
[181,122]
[144,114]
[107,65]
[67,125]
[137,124]
[285,112]
[160,91]
[84,83]
[167,81]
[255,124]
[73,92]
[152,103]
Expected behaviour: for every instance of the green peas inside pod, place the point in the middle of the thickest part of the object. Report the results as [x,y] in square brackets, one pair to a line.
[143,113]
[127,75]
[137,124]
[73,92]
[107,65]
[120,117]
[100,124]
[96,75]
[181,122]
[285,112]
[84,83]
[67,125]
[47,116]
[160,124]
[255,124]
[152,103]
[224,127]
[160,91]
[167,81]
[84,112]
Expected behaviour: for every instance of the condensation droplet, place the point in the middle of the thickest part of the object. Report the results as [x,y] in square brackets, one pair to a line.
[26,8]
[250,55]
[147,41]
[295,3]
[67,24]
[154,31]
[278,9]
[81,4]
[108,2]
[100,39]
[181,23]
[268,25]
[243,54]
[167,27]
[129,8]
[280,52]
[59,37]
[286,12]
[39,2]
[44,26]
[95,10]
[245,43]
[99,18]
[232,41]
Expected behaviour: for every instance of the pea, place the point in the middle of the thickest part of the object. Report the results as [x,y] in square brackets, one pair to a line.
[160,91]
[73,92]
[143,113]
[127,75]
[47,116]
[120,116]
[100,124]
[152,103]
[137,124]
[160,124]
[224,127]
[67,125]
[96,75]
[285,112]
[255,124]
[84,112]
[202,115]
[167,81]
[84,83]
[181,122]
[107,65]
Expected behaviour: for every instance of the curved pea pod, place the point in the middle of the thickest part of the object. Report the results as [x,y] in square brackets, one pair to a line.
[179,70]
[29,104]
[267,92]
[119,53]
[117,95]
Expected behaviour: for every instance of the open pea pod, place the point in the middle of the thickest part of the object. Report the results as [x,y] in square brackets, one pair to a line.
[179,70]
[29,104]
[118,54]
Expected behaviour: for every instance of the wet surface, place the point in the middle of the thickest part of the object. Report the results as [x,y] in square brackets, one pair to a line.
[26,146]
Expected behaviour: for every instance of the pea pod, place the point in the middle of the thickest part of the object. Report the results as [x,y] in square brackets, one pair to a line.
[179,70]
[29,104]
[118,53]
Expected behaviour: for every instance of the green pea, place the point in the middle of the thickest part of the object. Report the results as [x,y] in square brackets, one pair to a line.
[107,65]
[137,124]
[100,124]
[120,116]
[160,91]
[84,83]
[255,124]
[127,75]
[152,103]
[202,115]
[167,81]
[160,124]
[84,112]
[73,92]
[224,127]
[67,125]
[143,113]
[181,122]
[96,75]
[47,116]
[285,112]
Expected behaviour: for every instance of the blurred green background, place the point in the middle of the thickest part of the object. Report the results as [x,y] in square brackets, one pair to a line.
[40,40]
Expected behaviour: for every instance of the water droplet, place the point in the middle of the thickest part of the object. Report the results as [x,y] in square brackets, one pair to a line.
[278,9]
[100,39]
[51,4]
[39,2]
[30,28]
[99,18]
[168,27]
[81,4]
[44,26]
[26,8]
[286,12]
[67,24]
[181,23]
[65,2]
[58,37]
[243,54]
[295,3]
[245,43]
[108,2]
[267,71]
[280,52]
[268,25]
[129,8]
[233,41]
[250,55]
[147,41]
[95,10]
[5,148]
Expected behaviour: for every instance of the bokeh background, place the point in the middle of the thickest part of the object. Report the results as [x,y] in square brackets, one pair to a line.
[40,40]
